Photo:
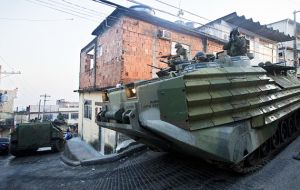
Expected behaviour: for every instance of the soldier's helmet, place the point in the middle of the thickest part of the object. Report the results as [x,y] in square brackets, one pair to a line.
[234,32]
[200,54]
[178,45]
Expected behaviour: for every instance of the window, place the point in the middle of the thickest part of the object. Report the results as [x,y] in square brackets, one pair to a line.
[88,109]
[90,58]
[48,117]
[97,108]
[66,116]
[173,49]
[99,51]
[74,115]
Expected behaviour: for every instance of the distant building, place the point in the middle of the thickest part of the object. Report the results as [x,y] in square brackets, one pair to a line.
[126,43]
[286,49]
[68,109]
[7,98]
[262,41]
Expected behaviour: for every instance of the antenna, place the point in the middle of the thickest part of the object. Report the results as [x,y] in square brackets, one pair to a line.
[45,96]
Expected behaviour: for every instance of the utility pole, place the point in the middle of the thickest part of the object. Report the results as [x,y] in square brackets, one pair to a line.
[39,109]
[8,73]
[45,96]
[295,40]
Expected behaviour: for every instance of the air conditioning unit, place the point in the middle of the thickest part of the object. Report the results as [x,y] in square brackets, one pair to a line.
[164,34]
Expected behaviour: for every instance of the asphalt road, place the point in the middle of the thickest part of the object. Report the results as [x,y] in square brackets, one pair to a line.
[146,170]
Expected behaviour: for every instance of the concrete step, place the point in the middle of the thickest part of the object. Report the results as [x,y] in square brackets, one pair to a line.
[78,152]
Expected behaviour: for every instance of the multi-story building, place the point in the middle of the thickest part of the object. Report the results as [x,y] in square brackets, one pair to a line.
[6,110]
[286,49]
[68,109]
[125,46]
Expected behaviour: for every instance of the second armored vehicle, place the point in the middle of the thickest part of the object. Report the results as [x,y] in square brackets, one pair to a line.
[28,137]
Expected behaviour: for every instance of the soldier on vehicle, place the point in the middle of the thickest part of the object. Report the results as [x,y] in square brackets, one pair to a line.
[200,57]
[181,56]
[181,52]
[236,45]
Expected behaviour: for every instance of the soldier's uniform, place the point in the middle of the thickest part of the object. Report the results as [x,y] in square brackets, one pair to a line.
[236,45]
[181,52]
[181,55]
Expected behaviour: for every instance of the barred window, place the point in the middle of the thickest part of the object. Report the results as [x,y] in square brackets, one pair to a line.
[74,115]
[88,109]
[66,116]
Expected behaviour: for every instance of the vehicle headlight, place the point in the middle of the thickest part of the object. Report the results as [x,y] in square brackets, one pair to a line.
[105,97]
[130,91]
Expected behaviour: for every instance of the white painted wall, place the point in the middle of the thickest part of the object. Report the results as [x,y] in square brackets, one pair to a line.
[88,129]
[262,52]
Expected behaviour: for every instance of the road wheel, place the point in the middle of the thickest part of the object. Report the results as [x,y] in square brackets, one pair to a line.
[265,148]
[292,126]
[297,121]
[284,131]
[58,145]
[14,151]
[275,139]
[253,159]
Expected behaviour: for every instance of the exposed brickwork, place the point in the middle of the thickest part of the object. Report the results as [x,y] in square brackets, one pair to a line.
[127,47]
[142,47]
[214,47]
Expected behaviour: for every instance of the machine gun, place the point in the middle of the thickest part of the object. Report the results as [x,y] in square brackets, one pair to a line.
[174,65]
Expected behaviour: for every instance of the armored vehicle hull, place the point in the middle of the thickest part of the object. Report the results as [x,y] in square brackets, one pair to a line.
[231,115]
[28,137]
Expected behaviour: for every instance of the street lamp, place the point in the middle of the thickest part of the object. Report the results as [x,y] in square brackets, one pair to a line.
[295,40]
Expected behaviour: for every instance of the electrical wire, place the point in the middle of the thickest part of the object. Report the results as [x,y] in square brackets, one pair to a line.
[3,60]
[87,9]
[183,10]
[50,7]
[65,7]
[36,20]
[166,12]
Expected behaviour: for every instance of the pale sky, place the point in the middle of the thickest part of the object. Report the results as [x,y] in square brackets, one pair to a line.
[44,44]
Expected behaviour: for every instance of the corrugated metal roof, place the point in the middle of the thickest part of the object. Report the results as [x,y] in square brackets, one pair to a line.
[255,27]
[123,11]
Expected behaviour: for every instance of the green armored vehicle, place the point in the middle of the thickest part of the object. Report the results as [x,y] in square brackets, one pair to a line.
[224,111]
[28,137]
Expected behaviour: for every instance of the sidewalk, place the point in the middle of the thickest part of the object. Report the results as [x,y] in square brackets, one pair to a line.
[78,152]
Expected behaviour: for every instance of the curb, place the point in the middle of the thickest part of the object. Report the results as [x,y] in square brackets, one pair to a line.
[113,157]
[68,161]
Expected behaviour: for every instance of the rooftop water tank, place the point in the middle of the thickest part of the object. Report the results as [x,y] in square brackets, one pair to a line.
[143,8]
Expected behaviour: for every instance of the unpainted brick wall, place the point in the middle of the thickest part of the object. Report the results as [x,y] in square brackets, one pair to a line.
[109,65]
[213,46]
[86,75]
[128,46]
[142,47]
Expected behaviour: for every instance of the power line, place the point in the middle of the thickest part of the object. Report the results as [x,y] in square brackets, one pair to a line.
[183,10]
[36,20]
[87,9]
[50,7]
[3,60]
[64,7]
[136,2]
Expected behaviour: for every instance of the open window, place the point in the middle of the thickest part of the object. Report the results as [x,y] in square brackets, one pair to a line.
[185,46]
[90,58]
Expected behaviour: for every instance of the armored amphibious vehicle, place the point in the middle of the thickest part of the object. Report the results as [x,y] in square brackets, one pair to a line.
[28,137]
[224,110]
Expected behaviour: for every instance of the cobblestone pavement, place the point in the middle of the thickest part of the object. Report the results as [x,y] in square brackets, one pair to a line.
[146,170]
